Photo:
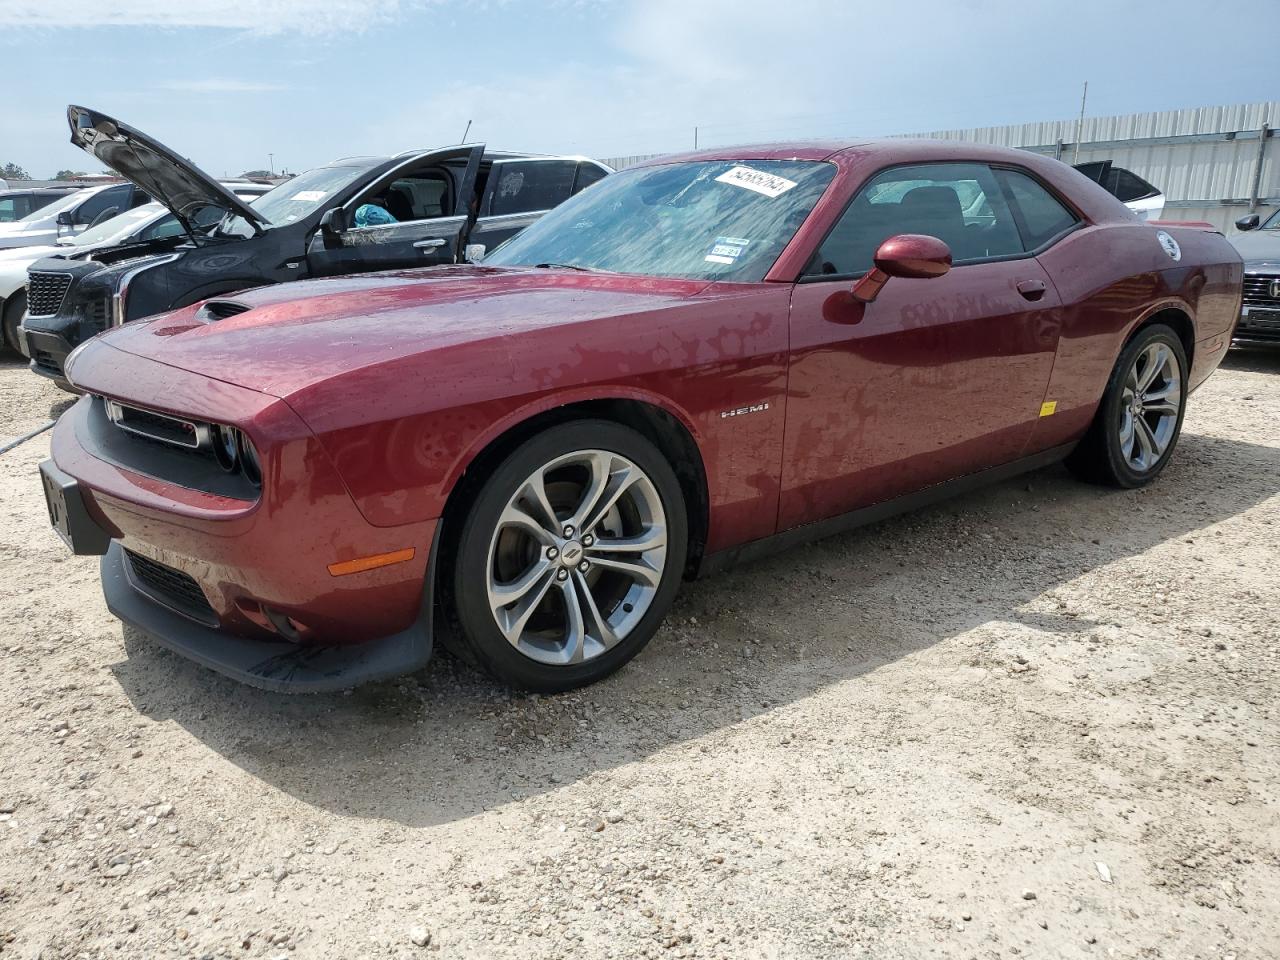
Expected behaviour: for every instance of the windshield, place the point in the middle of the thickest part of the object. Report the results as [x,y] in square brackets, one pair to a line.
[1272,222]
[701,220]
[296,198]
[120,225]
[55,208]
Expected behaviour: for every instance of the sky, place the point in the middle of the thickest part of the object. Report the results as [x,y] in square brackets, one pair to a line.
[243,84]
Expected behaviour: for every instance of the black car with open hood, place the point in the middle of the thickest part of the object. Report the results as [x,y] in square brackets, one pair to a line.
[416,209]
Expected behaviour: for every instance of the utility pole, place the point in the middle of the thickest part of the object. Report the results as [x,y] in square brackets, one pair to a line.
[1075,155]
[271,163]
[695,138]
[465,132]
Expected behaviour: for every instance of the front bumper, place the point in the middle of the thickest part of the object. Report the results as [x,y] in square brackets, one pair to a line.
[243,587]
[282,667]
[47,351]
[1258,323]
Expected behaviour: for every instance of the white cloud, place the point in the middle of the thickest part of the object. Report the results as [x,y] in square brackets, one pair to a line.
[264,16]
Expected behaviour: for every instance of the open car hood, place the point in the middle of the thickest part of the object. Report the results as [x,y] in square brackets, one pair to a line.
[173,181]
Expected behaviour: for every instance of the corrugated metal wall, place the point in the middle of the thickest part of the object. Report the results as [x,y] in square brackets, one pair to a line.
[1200,180]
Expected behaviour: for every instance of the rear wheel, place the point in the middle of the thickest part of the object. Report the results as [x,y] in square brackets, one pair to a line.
[1139,420]
[570,556]
[14,308]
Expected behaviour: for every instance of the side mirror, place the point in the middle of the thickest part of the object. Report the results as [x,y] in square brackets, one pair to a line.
[64,219]
[332,225]
[912,256]
[1250,222]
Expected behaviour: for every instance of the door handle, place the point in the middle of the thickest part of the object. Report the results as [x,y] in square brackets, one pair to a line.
[434,243]
[1032,289]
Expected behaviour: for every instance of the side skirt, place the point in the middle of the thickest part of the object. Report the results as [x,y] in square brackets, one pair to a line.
[821,529]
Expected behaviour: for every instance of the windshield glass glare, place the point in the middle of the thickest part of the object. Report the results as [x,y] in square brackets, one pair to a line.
[702,220]
[296,198]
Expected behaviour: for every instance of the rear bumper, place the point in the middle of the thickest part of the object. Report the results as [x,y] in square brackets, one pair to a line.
[279,666]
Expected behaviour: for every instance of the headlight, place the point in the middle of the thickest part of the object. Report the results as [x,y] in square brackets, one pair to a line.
[225,446]
[249,459]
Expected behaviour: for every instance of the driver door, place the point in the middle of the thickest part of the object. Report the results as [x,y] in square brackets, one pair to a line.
[427,201]
[934,379]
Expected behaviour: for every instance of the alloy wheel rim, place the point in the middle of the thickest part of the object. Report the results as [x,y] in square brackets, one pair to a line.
[1149,407]
[576,557]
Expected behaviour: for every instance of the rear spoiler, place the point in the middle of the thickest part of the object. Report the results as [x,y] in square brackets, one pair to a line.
[1190,224]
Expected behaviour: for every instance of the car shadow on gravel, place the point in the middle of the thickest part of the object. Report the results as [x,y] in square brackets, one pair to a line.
[447,744]
[1253,359]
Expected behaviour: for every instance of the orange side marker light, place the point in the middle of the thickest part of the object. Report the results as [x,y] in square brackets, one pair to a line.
[361,564]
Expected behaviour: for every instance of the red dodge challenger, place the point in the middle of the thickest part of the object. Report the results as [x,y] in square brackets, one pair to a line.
[690,363]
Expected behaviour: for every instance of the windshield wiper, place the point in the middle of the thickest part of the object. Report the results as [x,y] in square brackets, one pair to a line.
[564,266]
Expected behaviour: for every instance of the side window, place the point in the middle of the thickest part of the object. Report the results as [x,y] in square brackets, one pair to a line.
[138,199]
[531,185]
[9,210]
[1043,215]
[959,203]
[588,173]
[168,226]
[1126,185]
[114,197]
[417,195]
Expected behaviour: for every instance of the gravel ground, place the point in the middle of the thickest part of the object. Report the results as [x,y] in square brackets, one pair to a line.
[1040,720]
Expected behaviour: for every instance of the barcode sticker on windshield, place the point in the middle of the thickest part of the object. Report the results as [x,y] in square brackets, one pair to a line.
[308,196]
[726,250]
[749,179]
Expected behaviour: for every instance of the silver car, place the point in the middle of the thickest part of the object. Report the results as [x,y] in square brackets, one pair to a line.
[1259,247]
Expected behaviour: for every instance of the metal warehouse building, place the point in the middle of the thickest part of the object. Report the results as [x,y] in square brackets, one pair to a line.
[1213,163]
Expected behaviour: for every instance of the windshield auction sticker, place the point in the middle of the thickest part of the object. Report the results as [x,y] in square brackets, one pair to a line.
[756,180]
[726,250]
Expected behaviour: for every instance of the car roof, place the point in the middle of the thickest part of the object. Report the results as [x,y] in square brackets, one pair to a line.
[887,149]
[56,191]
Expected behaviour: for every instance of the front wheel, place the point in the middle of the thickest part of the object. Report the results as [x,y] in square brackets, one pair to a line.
[570,556]
[14,308]
[1140,418]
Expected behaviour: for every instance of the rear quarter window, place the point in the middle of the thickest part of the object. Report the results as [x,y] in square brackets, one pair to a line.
[1043,216]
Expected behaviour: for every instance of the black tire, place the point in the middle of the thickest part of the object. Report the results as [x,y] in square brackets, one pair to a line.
[14,308]
[476,630]
[1099,457]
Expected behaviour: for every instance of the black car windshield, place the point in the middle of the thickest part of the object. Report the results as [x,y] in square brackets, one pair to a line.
[701,220]
[297,198]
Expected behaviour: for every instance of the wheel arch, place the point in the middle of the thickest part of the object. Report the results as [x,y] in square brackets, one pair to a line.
[1174,314]
[668,430]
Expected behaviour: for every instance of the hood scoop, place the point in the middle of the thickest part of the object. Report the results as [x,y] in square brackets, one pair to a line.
[215,310]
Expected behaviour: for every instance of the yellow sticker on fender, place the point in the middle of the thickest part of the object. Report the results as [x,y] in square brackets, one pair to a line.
[1048,407]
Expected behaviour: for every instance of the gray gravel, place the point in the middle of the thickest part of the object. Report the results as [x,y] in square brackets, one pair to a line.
[1040,720]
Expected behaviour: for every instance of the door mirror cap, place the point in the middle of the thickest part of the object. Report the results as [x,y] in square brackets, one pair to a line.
[913,256]
[1251,222]
[332,224]
[64,219]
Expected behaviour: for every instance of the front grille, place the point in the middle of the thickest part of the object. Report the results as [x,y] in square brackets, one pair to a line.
[1258,289]
[171,587]
[98,313]
[156,426]
[45,292]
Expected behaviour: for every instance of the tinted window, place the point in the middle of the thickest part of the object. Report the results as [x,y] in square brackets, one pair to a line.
[531,185]
[1043,215]
[117,197]
[1126,185]
[588,173]
[959,203]
[14,208]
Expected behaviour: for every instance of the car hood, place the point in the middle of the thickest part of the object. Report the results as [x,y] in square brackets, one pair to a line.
[1260,245]
[14,264]
[173,181]
[291,336]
